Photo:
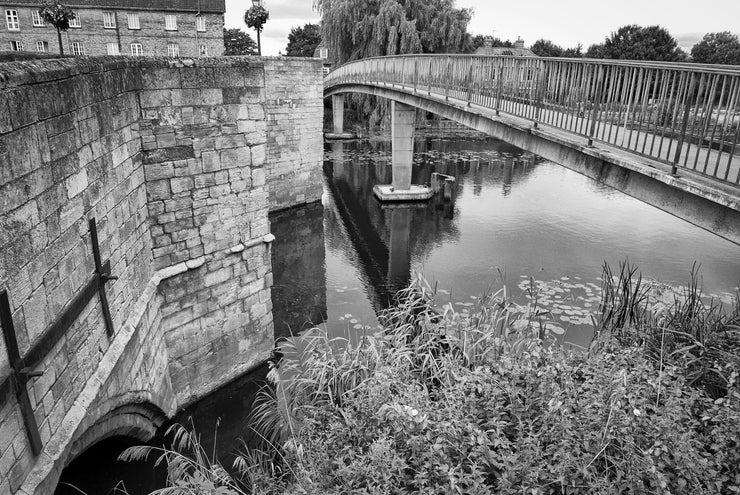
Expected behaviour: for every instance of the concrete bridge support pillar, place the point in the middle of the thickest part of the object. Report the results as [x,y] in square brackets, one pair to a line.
[403,119]
[337,104]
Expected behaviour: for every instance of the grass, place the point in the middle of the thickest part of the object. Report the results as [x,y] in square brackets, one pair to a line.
[487,402]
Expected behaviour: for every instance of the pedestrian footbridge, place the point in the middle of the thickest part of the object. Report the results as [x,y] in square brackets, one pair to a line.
[667,133]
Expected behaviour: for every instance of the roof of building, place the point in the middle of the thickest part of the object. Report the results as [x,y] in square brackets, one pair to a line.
[517,50]
[210,6]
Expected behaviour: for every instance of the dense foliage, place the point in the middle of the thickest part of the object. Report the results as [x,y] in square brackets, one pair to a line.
[717,48]
[489,403]
[237,42]
[302,41]
[546,48]
[355,29]
[635,42]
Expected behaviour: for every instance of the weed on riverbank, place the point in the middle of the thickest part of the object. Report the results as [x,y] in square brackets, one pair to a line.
[487,402]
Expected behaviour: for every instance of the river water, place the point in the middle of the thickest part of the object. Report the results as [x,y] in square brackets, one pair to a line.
[514,220]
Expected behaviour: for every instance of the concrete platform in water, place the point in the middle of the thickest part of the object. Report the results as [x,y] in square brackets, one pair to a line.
[416,193]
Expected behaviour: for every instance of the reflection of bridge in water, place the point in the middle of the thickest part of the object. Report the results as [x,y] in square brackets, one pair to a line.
[665,133]
[386,237]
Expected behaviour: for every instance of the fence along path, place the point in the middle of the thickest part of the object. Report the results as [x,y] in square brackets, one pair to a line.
[684,115]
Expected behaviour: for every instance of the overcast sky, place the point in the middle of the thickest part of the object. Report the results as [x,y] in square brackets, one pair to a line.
[564,22]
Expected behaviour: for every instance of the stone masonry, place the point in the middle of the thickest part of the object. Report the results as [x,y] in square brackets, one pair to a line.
[179,161]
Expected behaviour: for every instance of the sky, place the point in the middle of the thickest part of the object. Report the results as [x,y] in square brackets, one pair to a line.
[564,22]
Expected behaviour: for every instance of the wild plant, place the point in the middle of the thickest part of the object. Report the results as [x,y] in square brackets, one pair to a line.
[190,469]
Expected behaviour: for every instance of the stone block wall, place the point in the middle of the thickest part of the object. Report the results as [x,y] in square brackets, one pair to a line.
[217,320]
[203,135]
[69,151]
[294,131]
[172,157]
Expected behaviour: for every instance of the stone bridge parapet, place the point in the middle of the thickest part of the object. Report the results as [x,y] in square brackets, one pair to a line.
[179,162]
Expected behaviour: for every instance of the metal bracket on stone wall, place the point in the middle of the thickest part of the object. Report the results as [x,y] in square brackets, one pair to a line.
[23,366]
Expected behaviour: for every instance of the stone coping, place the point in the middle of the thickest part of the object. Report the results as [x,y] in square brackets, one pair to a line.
[20,73]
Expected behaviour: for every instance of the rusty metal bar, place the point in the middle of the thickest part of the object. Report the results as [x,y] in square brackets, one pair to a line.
[19,375]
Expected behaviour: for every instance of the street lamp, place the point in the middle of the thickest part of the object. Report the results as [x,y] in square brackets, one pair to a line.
[255,18]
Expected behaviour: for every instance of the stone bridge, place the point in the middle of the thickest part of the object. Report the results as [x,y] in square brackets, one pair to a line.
[134,239]
[665,133]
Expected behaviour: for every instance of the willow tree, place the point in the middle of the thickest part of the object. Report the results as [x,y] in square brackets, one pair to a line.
[355,29]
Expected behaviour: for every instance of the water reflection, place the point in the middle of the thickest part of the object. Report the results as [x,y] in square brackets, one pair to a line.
[512,216]
[299,269]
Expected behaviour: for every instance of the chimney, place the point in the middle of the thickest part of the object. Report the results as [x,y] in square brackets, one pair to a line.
[519,43]
[488,42]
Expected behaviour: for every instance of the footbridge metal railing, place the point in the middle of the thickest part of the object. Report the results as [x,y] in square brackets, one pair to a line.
[685,115]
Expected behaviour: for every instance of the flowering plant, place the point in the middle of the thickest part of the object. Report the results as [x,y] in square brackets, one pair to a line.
[256,17]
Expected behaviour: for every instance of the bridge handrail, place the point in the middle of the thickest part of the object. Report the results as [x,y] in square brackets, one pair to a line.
[684,66]
[683,114]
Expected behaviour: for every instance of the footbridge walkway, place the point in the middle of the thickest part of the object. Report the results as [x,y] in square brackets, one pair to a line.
[628,123]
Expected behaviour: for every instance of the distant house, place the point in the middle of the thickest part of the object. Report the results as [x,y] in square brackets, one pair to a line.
[322,52]
[173,28]
[517,50]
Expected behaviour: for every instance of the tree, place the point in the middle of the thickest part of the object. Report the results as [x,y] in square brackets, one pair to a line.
[302,41]
[546,48]
[595,51]
[576,52]
[237,42]
[355,29]
[634,42]
[58,15]
[717,48]
[256,17]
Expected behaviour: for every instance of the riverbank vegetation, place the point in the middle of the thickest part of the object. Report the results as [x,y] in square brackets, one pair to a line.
[490,402]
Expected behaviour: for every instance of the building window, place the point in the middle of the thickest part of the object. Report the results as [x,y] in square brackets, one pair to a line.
[136,49]
[76,22]
[200,23]
[133,21]
[173,50]
[112,49]
[323,53]
[42,46]
[16,46]
[203,51]
[170,22]
[326,70]
[109,20]
[78,48]
[37,20]
[11,18]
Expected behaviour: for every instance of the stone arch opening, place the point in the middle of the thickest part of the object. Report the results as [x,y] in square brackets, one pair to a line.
[139,422]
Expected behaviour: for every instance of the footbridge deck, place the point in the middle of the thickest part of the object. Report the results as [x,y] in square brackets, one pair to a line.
[667,133]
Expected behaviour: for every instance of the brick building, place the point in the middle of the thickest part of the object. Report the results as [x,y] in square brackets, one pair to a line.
[187,28]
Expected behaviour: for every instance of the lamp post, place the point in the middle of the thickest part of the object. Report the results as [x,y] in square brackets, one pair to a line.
[255,18]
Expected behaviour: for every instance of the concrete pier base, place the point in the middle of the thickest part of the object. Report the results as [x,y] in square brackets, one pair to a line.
[413,193]
[403,120]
